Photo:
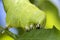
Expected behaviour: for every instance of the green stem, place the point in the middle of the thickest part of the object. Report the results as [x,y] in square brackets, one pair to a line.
[9,33]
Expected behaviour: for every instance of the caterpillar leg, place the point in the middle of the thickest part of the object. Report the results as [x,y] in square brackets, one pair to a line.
[38,26]
[40,21]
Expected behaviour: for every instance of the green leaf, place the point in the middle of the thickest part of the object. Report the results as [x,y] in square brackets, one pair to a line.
[52,17]
[36,34]
[5,37]
[41,34]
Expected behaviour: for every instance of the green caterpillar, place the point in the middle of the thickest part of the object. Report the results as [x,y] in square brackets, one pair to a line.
[23,14]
